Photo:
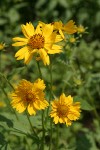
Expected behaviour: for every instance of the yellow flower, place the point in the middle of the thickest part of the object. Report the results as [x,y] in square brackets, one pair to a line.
[64,110]
[80,29]
[70,27]
[39,41]
[58,25]
[29,96]
[2,46]
[72,40]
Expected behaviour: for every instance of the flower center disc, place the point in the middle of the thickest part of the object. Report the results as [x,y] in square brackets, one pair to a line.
[62,111]
[36,41]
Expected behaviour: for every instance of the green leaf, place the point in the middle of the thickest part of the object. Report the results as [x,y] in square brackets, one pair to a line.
[84,104]
[85,140]
[63,3]
[2,139]
[39,4]
[13,15]
[8,122]
[2,21]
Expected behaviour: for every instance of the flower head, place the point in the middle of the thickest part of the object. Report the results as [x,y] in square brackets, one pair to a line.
[64,110]
[29,96]
[80,29]
[2,46]
[70,27]
[40,41]
[58,25]
[72,40]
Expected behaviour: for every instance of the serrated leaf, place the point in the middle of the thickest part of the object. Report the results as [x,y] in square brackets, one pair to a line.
[2,139]
[86,106]
[8,122]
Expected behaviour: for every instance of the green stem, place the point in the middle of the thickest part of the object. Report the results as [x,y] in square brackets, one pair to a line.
[7,81]
[57,137]
[43,126]
[51,84]
[31,124]
[40,73]
[50,145]
[43,131]
[26,134]
[32,128]
[19,131]
[51,81]
[8,102]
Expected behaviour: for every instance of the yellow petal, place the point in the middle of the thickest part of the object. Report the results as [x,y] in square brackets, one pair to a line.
[55,49]
[56,119]
[39,85]
[22,52]
[37,105]
[19,43]
[73,116]
[28,57]
[70,28]
[20,107]
[44,57]
[2,46]
[38,29]
[53,114]
[31,109]
[28,30]
[68,122]
[58,25]
[58,38]
[61,33]
[18,39]
[47,30]
[61,120]
[69,100]
[62,98]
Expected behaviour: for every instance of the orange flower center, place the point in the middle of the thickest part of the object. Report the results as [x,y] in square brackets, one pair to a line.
[29,96]
[62,110]
[36,41]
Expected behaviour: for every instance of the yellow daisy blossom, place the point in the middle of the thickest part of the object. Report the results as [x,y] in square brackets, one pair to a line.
[58,25]
[2,46]
[72,40]
[80,29]
[39,41]
[64,110]
[70,27]
[29,96]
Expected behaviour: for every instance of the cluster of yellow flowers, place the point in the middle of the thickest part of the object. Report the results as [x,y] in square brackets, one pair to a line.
[43,40]
[40,42]
[30,96]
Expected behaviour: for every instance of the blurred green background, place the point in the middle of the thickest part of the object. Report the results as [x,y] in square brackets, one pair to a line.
[16,12]
[80,66]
